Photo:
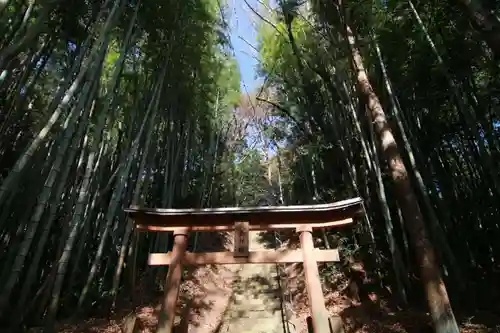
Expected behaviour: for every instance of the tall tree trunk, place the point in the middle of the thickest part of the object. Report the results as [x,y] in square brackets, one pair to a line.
[436,227]
[437,297]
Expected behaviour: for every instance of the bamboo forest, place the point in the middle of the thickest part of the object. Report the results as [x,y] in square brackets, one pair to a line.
[111,104]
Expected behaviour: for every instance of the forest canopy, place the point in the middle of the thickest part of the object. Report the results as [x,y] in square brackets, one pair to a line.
[107,104]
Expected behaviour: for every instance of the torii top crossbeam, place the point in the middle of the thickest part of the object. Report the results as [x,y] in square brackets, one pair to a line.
[259,218]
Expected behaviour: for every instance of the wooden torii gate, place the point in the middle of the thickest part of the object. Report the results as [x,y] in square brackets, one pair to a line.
[304,219]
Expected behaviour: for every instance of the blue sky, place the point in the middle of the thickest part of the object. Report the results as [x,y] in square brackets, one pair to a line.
[243,27]
[243,24]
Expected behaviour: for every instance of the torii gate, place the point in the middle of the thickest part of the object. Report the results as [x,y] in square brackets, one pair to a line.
[302,218]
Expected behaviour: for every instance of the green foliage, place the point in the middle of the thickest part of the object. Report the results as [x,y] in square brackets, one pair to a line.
[251,185]
[446,111]
[174,126]
[170,105]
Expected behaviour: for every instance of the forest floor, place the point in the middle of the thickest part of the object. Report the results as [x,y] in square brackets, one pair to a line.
[207,292]
[358,317]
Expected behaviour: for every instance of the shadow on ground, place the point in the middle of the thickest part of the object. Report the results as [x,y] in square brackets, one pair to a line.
[203,289]
[373,312]
[210,289]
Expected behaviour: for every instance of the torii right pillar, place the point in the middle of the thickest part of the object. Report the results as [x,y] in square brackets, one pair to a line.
[320,318]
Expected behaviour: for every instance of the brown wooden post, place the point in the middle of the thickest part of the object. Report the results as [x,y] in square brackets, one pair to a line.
[313,282]
[173,282]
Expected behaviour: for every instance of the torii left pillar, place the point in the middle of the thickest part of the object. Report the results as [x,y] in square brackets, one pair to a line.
[173,282]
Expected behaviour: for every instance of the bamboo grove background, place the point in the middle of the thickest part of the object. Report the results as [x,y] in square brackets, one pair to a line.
[112,103]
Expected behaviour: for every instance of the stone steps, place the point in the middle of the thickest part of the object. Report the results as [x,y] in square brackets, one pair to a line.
[255,305]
